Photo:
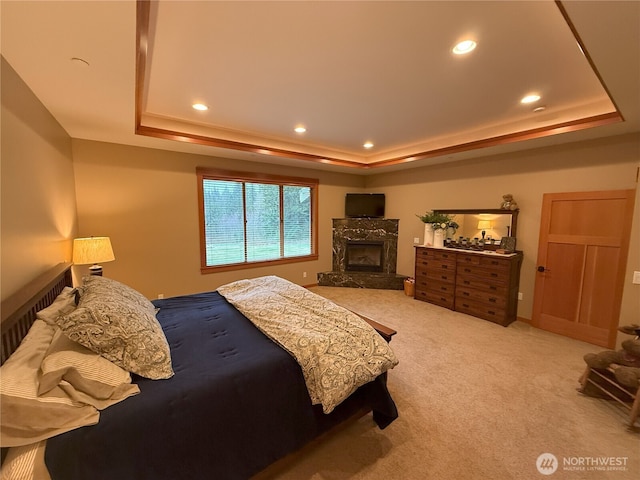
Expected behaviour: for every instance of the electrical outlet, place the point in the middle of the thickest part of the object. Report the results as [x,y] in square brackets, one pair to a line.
[416,240]
[160,296]
[304,274]
[520,296]
[636,278]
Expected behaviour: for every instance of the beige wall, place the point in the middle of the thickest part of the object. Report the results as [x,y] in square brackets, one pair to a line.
[146,201]
[37,187]
[606,164]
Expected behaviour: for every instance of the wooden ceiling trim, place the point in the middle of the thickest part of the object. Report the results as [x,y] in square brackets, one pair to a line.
[566,127]
[143,10]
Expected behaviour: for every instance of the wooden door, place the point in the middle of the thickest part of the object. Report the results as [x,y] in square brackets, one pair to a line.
[582,256]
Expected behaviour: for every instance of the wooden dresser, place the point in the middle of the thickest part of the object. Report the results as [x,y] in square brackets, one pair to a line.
[484,285]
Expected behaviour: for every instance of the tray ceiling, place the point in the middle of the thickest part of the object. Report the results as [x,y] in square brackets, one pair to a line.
[349,72]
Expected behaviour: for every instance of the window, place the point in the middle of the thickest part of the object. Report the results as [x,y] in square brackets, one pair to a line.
[252,220]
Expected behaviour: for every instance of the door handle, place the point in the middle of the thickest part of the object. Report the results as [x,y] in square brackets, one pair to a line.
[543,269]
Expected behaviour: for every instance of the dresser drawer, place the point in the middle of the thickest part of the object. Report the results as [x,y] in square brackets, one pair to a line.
[477,309]
[437,276]
[492,275]
[441,288]
[442,255]
[496,262]
[441,266]
[482,284]
[485,261]
[443,300]
[421,271]
[421,284]
[483,296]
[423,262]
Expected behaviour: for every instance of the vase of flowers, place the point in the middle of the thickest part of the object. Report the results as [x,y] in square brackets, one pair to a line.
[436,227]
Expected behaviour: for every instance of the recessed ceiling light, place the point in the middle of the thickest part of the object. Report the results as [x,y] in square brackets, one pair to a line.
[368,145]
[300,129]
[463,47]
[534,97]
[200,106]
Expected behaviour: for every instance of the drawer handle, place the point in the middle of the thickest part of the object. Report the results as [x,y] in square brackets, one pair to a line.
[442,299]
[443,288]
[494,274]
[493,300]
[468,270]
[491,312]
[466,282]
[444,266]
[466,294]
[493,262]
[493,287]
[465,305]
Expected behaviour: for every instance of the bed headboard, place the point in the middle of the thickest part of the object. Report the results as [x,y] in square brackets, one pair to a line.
[18,312]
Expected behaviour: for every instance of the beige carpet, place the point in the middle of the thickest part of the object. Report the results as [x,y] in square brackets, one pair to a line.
[476,401]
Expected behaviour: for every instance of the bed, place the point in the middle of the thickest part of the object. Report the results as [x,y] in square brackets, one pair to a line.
[235,403]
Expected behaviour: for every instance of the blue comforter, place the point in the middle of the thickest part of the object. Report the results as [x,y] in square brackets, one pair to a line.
[236,403]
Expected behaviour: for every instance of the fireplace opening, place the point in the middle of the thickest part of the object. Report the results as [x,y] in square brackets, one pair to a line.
[364,256]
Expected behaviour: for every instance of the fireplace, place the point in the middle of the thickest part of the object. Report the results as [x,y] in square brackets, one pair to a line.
[364,256]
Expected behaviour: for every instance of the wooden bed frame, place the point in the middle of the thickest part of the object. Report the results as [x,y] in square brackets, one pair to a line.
[18,312]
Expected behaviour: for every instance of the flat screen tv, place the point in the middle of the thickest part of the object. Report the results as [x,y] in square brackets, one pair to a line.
[364,205]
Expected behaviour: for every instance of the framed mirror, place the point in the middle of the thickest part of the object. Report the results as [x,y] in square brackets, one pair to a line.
[494,222]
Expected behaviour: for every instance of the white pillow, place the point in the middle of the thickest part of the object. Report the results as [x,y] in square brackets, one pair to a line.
[24,416]
[84,375]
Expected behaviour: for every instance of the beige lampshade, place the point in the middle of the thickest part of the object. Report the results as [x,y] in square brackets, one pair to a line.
[92,250]
[484,224]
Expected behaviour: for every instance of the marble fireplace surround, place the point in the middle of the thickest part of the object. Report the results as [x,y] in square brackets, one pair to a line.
[364,230]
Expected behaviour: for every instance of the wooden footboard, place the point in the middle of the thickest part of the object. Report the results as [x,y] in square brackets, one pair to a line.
[18,312]
[384,331]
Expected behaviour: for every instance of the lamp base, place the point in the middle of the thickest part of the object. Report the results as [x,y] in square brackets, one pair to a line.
[95,270]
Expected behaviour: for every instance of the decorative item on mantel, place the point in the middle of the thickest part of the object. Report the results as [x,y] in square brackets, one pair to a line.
[436,226]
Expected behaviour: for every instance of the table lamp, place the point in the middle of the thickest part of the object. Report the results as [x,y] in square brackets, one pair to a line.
[484,225]
[92,250]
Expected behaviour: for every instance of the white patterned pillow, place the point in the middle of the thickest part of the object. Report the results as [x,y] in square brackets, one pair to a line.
[119,323]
